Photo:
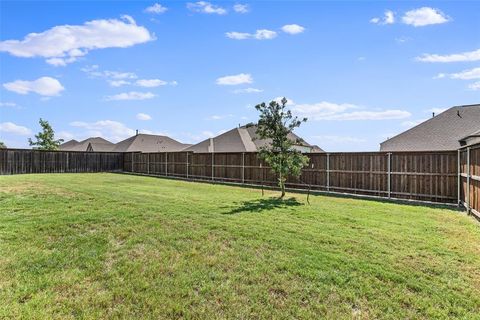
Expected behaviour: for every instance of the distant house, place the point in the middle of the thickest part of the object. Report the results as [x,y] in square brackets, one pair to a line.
[446,131]
[96,144]
[149,143]
[245,139]
[473,138]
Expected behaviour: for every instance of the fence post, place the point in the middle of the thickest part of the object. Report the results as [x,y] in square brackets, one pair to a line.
[468,181]
[166,163]
[243,167]
[187,165]
[148,163]
[66,167]
[389,178]
[459,176]
[328,171]
[213,169]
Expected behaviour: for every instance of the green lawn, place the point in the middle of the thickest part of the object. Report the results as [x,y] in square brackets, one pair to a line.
[119,246]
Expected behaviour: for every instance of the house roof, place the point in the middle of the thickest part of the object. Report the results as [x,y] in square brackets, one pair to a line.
[241,139]
[83,145]
[441,132]
[68,144]
[149,143]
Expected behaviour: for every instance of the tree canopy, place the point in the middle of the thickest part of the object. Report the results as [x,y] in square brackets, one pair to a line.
[45,139]
[276,123]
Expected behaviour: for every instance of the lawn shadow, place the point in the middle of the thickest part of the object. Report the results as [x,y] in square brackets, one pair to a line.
[264,204]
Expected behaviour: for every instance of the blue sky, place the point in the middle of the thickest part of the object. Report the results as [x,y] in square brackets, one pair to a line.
[360,71]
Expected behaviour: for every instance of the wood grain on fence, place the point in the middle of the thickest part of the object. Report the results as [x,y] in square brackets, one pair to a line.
[469,190]
[426,176]
[18,161]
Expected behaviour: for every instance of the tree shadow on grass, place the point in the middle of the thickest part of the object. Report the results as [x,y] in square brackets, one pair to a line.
[264,204]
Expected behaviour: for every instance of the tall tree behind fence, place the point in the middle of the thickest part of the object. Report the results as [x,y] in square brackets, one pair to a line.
[469,178]
[18,161]
[427,176]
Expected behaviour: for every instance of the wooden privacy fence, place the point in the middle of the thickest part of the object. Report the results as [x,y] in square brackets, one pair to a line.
[469,178]
[17,161]
[426,176]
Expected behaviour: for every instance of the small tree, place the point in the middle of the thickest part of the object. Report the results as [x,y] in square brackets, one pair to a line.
[45,138]
[2,145]
[275,124]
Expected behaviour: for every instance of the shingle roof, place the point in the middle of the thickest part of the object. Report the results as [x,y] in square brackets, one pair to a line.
[441,132]
[242,139]
[83,145]
[149,143]
[68,144]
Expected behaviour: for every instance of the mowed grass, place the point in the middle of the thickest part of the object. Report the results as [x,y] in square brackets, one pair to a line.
[119,246]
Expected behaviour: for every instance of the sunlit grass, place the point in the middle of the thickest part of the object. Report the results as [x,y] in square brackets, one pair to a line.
[119,246]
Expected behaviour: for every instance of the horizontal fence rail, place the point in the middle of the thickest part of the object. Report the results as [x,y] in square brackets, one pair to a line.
[444,177]
[425,176]
[469,178]
[18,161]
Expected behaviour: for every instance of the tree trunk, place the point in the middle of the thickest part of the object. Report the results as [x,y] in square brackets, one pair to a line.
[281,182]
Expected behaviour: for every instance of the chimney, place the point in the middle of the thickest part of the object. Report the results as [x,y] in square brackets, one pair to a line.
[433,114]
[136,132]
[211,147]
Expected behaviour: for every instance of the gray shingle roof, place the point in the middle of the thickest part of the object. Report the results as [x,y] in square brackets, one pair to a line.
[441,132]
[242,139]
[83,145]
[149,143]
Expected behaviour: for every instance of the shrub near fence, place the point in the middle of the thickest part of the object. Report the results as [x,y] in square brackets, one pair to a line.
[469,178]
[18,161]
[426,176]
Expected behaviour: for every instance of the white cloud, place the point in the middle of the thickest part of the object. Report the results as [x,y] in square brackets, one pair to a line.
[388,18]
[265,34]
[474,86]
[12,128]
[143,116]
[262,34]
[471,74]
[94,72]
[467,74]
[456,57]
[44,86]
[402,39]
[235,79]
[64,44]
[332,111]
[238,35]
[65,135]
[118,83]
[205,7]
[338,139]
[247,90]
[8,104]
[109,129]
[156,8]
[290,102]
[220,117]
[132,95]
[412,123]
[118,79]
[150,83]
[293,29]
[241,8]
[437,110]
[424,16]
